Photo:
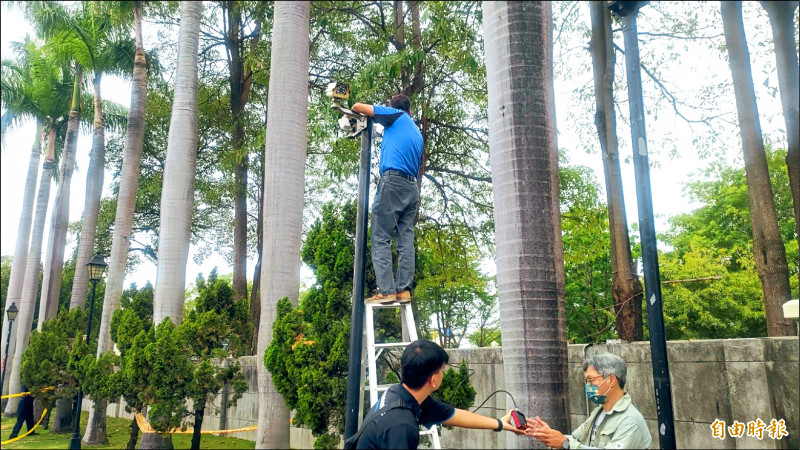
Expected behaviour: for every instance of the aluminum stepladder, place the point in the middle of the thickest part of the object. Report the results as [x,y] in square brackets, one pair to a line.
[371,351]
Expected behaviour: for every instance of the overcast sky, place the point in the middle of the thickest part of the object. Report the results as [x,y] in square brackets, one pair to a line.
[667,177]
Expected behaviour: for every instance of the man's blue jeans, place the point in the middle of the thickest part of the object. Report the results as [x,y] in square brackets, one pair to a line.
[393,210]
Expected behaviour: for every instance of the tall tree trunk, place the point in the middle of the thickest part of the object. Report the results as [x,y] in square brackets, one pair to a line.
[177,195]
[781,18]
[96,432]
[240,160]
[418,80]
[198,425]
[768,249]
[91,208]
[62,416]
[126,200]
[530,264]
[240,83]
[400,37]
[626,287]
[255,295]
[285,161]
[30,284]
[126,203]
[54,262]
[19,263]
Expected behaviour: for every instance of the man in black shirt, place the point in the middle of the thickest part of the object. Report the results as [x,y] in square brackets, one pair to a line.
[396,427]
[24,414]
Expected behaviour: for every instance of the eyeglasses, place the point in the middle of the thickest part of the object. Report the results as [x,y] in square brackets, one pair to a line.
[590,380]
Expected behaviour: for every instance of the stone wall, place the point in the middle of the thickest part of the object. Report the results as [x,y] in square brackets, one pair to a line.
[734,379]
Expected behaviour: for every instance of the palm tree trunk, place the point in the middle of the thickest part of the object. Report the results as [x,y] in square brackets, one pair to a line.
[31,282]
[177,195]
[285,159]
[126,203]
[626,287]
[768,248]
[96,432]
[126,200]
[18,264]
[91,208]
[54,262]
[530,266]
[781,18]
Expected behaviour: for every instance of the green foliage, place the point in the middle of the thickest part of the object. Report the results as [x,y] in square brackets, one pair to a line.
[52,355]
[587,256]
[450,288]
[216,296]
[358,46]
[134,316]
[118,432]
[102,378]
[169,374]
[308,355]
[716,240]
[164,367]
[326,440]
[5,274]
[456,388]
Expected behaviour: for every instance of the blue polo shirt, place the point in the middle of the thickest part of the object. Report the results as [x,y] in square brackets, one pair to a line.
[402,142]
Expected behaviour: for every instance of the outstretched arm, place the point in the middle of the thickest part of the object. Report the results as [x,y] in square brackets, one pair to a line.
[363,108]
[465,419]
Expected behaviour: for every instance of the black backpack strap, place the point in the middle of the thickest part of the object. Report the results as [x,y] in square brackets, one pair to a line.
[373,414]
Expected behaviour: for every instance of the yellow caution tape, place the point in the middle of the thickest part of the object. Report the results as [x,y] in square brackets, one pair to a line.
[23,394]
[145,427]
[29,431]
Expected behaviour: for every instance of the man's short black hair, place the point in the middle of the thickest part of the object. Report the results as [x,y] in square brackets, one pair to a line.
[420,360]
[401,102]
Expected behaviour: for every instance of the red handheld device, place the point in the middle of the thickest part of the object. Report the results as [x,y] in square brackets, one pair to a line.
[518,419]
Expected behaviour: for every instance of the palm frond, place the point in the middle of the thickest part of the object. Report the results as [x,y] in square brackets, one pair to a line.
[115,116]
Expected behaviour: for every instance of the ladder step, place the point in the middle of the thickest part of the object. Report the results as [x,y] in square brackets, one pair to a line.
[391,344]
[425,431]
[388,305]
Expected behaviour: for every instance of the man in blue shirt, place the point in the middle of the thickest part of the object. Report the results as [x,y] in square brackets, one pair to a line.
[396,200]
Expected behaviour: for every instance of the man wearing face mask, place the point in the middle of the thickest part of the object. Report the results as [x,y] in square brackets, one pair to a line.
[616,423]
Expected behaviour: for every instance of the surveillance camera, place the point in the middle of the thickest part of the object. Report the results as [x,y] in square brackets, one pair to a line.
[346,124]
[340,91]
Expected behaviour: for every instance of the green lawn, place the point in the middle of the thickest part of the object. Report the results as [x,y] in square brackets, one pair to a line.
[118,432]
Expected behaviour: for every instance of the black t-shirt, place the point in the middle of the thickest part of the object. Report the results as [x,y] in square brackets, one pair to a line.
[399,428]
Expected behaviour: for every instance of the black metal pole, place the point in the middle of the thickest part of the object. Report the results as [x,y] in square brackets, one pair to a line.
[359,273]
[5,354]
[75,442]
[652,282]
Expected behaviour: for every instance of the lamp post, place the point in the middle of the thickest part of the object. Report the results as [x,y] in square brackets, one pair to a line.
[627,11]
[96,268]
[11,313]
[355,390]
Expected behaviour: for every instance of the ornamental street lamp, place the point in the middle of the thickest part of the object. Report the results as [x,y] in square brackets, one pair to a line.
[96,268]
[11,313]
